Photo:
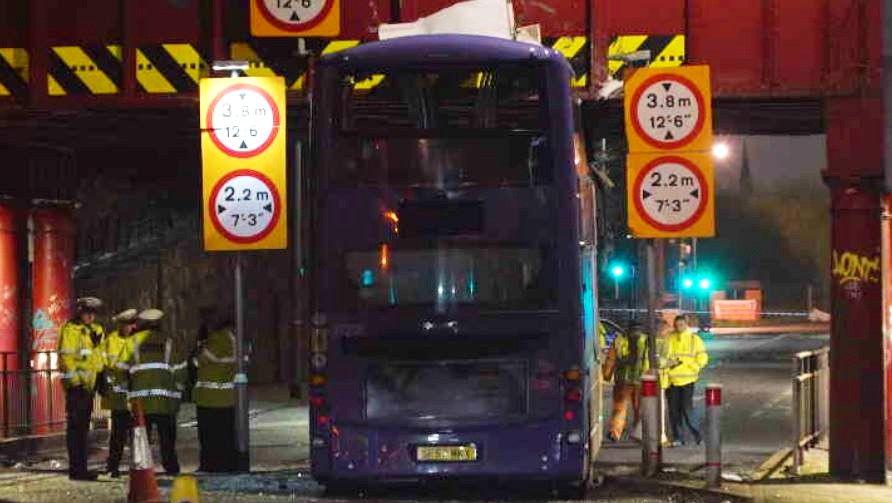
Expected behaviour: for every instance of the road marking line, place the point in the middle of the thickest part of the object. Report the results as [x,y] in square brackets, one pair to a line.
[786,395]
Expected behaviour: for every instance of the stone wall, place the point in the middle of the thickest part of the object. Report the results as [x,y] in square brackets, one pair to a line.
[139,245]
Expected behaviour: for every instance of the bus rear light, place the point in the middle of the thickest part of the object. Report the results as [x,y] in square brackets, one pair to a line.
[573,395]
[317,401]
[574,437]
[569,415]
[385,257]
[323,420]
[573,375]
[317,380]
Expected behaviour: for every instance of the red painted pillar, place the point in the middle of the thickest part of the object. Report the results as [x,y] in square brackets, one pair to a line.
[887,325]
[53,233]
[9,282]
[854,175]
[10,328]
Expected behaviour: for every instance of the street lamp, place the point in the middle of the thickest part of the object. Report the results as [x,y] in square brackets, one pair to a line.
[617,270]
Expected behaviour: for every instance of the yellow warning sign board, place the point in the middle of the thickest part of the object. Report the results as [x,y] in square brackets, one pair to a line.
[295,18]
[671,195]
[669,109]
[243,163]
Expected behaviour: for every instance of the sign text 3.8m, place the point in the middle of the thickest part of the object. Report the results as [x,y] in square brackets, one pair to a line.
[243,163]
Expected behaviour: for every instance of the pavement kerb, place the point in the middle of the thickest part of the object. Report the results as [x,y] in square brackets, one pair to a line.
[690,485]
[18,448]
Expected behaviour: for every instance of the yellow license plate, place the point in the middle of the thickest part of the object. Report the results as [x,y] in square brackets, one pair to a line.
[447,453]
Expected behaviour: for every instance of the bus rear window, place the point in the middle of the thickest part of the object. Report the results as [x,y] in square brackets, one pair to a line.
[502,98]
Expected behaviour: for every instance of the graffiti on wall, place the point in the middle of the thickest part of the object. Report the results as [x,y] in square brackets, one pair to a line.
[46,324]
[852,270]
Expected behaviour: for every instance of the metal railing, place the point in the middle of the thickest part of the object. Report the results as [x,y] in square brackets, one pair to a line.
[811,400]
[32,399]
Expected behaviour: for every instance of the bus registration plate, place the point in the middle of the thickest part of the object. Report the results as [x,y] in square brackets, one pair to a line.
[446,453]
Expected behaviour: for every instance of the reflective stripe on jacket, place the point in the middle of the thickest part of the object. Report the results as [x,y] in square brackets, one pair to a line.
[631,361]
[216,370]
[157,373]
[116,353]
[689,352]
[78,361]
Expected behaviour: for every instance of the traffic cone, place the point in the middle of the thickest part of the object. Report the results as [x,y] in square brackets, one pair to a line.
[185,490]
[143,486]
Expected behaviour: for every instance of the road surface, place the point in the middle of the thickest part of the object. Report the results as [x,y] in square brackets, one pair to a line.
[755,371]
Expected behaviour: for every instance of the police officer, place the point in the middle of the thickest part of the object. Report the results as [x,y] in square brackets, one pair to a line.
[214,396]
[157,376]
[116,350]
[80,361]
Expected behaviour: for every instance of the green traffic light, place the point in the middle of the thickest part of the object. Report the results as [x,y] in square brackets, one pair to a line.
[687,283]
[618,271]
[705,283]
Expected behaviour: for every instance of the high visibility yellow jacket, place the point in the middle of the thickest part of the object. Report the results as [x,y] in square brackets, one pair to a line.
[216,370]
[157,373]
[116,352]
[79,360]
[631,357]
[686,356]
[602,336]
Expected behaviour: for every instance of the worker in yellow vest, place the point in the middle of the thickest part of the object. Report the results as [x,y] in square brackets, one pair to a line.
[685,357]
[214,396]
[630,354]
[80,362]
[157,377]
[116,350]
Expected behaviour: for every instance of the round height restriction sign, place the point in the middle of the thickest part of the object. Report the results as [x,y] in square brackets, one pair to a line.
[244,206]
[668,111]
[294,15]
[670,193]
[243,120]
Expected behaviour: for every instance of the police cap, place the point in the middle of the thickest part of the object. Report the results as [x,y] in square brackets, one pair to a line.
[151,315]
[125,316]
[88,304]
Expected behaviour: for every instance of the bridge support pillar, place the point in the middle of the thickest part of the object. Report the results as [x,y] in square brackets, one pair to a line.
[53,234]
[857,395]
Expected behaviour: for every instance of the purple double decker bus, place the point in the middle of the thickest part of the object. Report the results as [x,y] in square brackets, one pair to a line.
[453,266]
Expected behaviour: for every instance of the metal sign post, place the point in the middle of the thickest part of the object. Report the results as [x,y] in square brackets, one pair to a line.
[243,461]
[244,192]
[653,358]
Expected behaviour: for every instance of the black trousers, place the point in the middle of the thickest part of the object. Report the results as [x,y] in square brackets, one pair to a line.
[216,436]
[79,407]
[166,426]
[120,432]
[681,408]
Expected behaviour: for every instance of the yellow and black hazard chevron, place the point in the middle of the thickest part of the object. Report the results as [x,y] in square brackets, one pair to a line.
[84,70]
[169,68]
[13,72]
[665,51]
[577,50]
[263,59]
[160,69]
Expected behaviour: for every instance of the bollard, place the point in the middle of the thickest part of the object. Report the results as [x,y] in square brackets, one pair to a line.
[713,435]
[650,445]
